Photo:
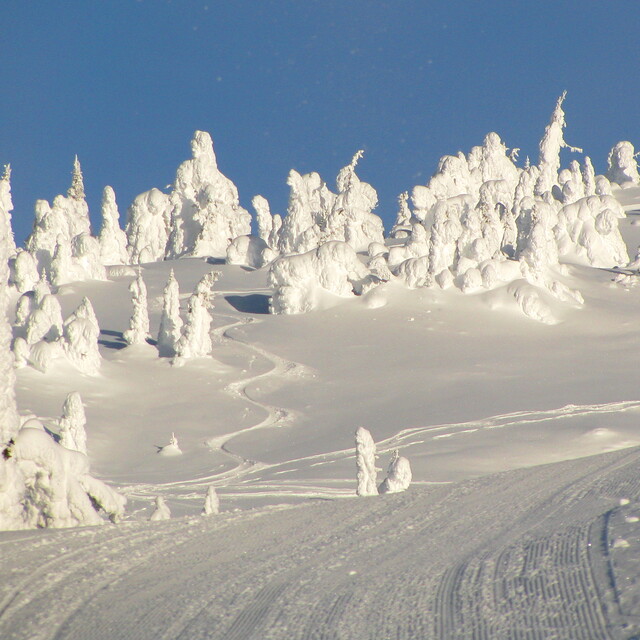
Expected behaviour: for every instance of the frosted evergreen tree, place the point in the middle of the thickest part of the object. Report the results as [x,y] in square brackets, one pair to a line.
[80,335]
[24,271]
[86,258]
[72,424]
[148,226]
[195,341]
[211,502]
[9,420]
[162,511]
[402,225]
[398,475]
[47,225]
[113,240]
[276,225]
[75,204]
[6,207]
[264,218]
[550,145]
[310,202]
[623,167]
[366,463]
[170,322]
[61,270]
[138,330]
[207,212]
[588,177]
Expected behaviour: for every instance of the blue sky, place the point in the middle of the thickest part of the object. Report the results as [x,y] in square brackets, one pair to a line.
[300,84]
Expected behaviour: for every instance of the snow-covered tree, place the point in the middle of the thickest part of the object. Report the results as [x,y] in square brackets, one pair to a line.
[113,240]
[365,463]
[72,424]
[6,207]
[62,269]
[402,225]
[211,502]
[86,258]
[207,214]
[148,225]
[550,145]
[195,341]
[162,511]
[264,218]
[24,271]
[623,168]
[138,330]
[170,322]
[171,449]
[398,475]
[80,334]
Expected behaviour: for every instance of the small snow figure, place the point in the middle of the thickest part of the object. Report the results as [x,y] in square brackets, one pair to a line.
[366,463]
[72,433]
[398,475]
[211,503]
[138,330]
[171,449]
[162,511]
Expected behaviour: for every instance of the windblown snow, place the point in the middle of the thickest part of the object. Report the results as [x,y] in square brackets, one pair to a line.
[315,429]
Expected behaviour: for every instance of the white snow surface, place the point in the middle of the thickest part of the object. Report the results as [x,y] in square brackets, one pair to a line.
[522,519]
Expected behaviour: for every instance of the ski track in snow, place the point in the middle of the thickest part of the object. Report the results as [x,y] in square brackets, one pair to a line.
[526,554]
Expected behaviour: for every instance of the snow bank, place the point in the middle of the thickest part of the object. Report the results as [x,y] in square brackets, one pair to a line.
[333,267]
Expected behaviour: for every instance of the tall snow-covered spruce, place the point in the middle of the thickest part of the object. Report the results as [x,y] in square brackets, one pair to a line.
[195,341]
[113,240]
[138,330]
[170,322]
[72,432]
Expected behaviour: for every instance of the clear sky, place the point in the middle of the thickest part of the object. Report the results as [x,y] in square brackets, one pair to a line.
[300,84]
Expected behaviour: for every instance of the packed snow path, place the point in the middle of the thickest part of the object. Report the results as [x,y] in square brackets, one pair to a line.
[544,552]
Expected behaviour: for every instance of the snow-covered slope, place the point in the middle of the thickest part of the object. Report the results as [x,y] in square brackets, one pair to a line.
[492,357]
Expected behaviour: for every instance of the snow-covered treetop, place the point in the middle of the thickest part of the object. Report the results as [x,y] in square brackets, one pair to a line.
[76,190]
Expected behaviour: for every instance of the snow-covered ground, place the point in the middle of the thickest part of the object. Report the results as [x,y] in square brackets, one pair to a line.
[522,520]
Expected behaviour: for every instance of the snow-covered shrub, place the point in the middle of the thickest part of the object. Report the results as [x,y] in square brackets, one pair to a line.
[138,330]
[80,338]
[211,502]
[365,463]
[162,511]
[207,214]
[623,168]
[333,267]
[72,432]
[195,341]
[171,449]
[170,321]
[398,475]
[148,225]
[21,351]
[112,239]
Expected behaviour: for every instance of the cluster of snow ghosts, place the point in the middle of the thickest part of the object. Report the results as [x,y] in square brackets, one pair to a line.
[40,335]
[398,474]
[200,217]
[480,223]
[43,483]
